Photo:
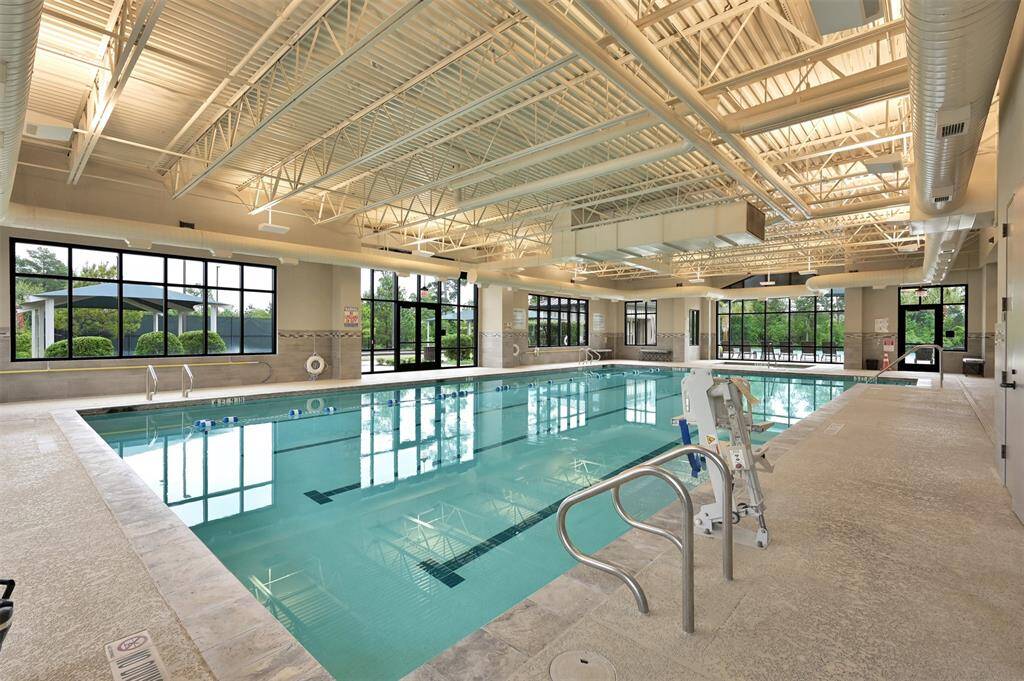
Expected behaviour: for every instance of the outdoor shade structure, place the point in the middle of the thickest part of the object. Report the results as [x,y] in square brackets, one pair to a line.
[142,297]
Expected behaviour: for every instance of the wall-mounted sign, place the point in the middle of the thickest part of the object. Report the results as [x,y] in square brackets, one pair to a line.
[882,325]
[518,318]
[351,317]
[598,322]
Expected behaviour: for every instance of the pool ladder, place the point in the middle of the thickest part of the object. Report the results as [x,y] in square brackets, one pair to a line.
[654,468]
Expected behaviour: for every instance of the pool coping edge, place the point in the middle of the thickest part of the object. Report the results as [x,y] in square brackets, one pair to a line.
[193,582]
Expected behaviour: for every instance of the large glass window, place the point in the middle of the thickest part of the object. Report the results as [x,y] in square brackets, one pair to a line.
[389,320]
[555,322]
[804,329]
[641,322]
[952,302]
[114,303]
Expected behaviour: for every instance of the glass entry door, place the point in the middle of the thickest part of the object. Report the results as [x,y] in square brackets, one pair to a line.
[418,336]
[920,324]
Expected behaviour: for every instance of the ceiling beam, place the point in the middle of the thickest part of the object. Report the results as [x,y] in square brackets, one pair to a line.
[659,67]
[229,77]
[578,41]
[130,24]
[807,57]
[243,122]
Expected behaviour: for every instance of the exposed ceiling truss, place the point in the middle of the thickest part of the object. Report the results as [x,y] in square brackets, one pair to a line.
[467,133]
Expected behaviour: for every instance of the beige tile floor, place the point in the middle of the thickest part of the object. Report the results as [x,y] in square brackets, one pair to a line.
[92,569]
[895,556]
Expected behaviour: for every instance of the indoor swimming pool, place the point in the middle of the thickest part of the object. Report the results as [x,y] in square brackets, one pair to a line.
[382,526]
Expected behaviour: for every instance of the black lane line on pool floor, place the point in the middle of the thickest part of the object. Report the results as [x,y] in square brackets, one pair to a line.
[446,572]
[325,497]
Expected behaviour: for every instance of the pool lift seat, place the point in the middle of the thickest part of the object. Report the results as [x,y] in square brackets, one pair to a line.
[716,404]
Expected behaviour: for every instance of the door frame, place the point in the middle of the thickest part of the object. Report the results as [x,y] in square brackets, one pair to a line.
[901,338]
[419,364]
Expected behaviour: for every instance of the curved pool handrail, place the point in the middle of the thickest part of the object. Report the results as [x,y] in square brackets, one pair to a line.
[685,543]
[716,459]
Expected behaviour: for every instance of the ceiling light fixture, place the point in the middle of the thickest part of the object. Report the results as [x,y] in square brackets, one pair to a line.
[269,225]
[810,271]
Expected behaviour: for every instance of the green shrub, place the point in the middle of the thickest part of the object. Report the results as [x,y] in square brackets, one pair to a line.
[23,344]
[450,352]
[192,343]
[152,343]
[82,346]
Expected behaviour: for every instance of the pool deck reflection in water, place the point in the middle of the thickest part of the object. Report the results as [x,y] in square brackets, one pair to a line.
[382,533]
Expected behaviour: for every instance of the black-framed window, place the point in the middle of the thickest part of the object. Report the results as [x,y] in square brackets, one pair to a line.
[382,320]
[641,322]
[694,326]
[114,303]
[803,329]
[953,301]
[554,322]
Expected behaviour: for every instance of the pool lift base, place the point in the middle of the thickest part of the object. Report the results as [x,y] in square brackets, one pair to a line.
[713,404]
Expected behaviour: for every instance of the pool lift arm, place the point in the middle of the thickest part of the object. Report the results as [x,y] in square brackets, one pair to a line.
[714,404]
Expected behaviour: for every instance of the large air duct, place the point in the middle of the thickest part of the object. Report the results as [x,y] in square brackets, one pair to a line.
[225,245]
[955,49]
[221,244]
[876,279]
[19,29]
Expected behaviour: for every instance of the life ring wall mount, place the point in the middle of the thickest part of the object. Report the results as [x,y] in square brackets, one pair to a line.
[315,365]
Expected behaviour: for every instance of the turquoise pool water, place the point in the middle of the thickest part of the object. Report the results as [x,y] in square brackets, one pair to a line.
[386,531]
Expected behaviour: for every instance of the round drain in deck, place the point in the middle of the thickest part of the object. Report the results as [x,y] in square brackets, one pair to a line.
[581,665]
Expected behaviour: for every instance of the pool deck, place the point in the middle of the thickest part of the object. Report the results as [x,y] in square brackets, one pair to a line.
[98,557]
[894,555]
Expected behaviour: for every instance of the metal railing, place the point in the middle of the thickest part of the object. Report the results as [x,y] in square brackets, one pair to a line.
[186,371]
[587,356]
[896,362]
[684,543]
[151,378]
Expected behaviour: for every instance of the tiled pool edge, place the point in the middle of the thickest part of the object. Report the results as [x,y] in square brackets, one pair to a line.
[479,373]
[495,646]
[235,635]
[226,623]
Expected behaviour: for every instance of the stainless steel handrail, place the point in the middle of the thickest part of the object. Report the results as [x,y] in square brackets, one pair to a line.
[912,350]
[685,543]
[186,370]
[151,376]
[670,455]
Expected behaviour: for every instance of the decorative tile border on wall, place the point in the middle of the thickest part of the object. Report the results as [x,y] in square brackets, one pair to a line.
[341,348]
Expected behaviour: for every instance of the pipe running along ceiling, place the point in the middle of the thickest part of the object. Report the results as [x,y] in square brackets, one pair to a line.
[476,143]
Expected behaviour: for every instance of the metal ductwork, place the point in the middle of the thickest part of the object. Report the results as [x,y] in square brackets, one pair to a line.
[876,279]
[19,30]
[955,49]
[143,234]
[723,226]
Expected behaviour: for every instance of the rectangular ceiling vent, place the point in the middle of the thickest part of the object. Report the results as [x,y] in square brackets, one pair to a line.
[952,122]
[833,17]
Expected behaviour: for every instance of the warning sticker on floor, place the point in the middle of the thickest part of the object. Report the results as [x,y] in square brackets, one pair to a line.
[135,658]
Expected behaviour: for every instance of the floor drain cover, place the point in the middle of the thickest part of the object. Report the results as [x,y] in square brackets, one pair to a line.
[580,665]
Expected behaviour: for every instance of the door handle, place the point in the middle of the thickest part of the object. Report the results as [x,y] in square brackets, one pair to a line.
[1012,385]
